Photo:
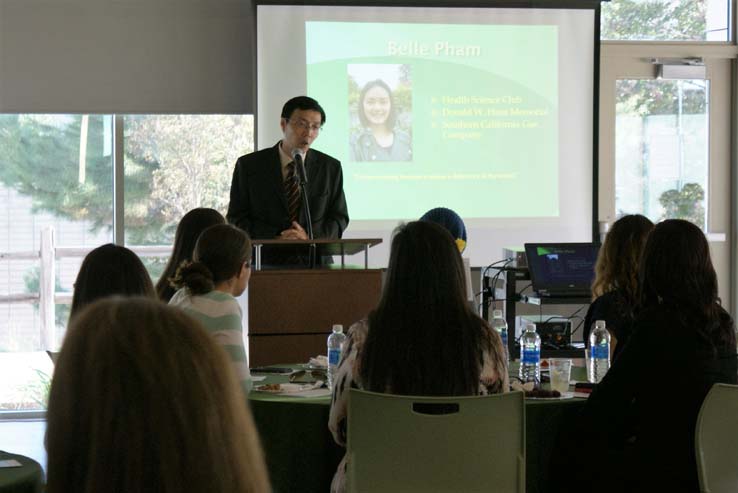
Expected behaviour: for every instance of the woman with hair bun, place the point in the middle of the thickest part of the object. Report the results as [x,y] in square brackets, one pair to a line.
[207,286]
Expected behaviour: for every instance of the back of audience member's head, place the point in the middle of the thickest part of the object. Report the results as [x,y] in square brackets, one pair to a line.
[143,399]
[449,220]
[188,230]
[109,270]
[620,256]
[423,337]
[220,253]
[676,270]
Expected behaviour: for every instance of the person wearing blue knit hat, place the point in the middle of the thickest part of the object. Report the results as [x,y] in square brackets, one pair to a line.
[449,220]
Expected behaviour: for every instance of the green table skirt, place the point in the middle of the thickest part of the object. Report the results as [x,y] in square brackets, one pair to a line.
[29,478]
[302,456]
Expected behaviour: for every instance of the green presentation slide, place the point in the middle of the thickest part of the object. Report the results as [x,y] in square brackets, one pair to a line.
[424,115]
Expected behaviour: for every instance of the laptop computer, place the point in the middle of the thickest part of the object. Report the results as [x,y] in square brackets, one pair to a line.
[561,270]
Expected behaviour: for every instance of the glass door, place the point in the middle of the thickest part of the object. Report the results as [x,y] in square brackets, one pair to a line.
[665,144]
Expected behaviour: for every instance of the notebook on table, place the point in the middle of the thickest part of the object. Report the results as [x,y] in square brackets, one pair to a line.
[561,270]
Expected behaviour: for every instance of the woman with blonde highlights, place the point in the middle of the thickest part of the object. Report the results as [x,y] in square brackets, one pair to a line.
[144,400]
[638,426]
[615,289]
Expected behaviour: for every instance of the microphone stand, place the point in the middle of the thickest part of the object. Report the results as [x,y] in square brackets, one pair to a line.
[301,178]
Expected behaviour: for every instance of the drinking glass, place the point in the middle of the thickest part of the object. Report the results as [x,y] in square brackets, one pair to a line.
[560,374]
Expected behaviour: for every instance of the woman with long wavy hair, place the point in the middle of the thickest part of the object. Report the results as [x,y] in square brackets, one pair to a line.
[423,338]
[640,420]
[615,287]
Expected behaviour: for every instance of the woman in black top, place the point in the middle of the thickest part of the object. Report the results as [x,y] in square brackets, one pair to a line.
[636,431]
[188,231]
[615,287]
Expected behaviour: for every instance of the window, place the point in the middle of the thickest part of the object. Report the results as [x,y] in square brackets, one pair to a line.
[56,180]
[55,174]
[666,20]
[661,152]
[175,163]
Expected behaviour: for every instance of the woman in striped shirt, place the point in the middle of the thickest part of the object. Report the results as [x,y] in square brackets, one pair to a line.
[208,285]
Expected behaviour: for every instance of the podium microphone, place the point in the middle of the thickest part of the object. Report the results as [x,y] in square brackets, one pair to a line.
[299,160]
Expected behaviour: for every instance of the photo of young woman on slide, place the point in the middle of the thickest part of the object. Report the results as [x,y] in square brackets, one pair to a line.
[380,137]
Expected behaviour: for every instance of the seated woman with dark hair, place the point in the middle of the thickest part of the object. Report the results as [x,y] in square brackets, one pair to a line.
[188,230]
[637,428]
[143,400]
[109,270]
[615,287]
[422,339]
[380,139]
[208,285]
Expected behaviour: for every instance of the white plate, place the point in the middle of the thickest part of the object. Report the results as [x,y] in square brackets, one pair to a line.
[285,388]
[290,388]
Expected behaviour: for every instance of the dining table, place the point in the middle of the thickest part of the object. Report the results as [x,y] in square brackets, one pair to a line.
[301,454]
[20,474]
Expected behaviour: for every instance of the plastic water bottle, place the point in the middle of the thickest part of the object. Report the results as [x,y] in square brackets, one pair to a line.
[530,355]
[335,346]
[500,325]
[599,352]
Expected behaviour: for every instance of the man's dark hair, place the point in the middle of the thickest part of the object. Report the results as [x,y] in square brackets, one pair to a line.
[303,103]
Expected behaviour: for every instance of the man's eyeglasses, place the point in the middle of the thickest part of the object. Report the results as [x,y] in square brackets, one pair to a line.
[306,125]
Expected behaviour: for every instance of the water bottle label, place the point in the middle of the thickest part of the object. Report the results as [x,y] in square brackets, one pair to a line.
[334,356]
[504,338]
[601,352]
[531,356]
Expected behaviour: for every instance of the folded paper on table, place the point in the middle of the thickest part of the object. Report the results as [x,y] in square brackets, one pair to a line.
[318,362]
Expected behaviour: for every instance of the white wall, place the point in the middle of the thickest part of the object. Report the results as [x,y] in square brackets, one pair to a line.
[137,56]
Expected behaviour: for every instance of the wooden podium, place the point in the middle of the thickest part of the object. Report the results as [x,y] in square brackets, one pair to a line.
[291,311]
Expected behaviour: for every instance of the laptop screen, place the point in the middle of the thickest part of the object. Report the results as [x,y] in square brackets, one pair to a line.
[561,267]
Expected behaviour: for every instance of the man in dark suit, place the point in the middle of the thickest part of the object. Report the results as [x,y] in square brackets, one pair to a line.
[264,201]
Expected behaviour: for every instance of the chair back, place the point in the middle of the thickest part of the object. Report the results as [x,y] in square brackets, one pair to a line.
[429,444]
[716,440]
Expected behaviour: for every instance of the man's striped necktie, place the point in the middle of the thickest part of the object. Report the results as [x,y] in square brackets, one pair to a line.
[292,192]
